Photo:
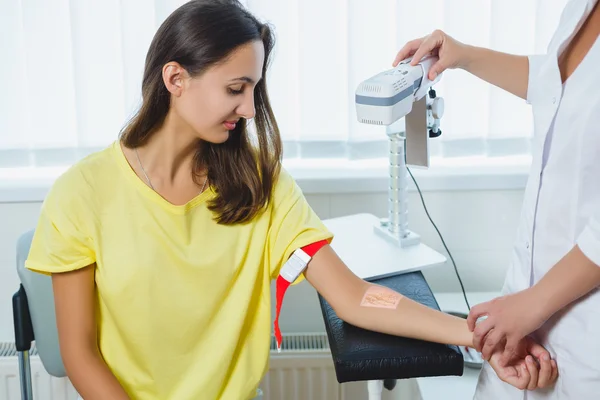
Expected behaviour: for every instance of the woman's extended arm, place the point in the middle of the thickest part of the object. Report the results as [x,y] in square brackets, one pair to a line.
[75,317]
[380,309]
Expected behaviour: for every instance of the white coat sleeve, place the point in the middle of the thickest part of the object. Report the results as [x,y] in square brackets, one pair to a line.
[589,240]
[535,62]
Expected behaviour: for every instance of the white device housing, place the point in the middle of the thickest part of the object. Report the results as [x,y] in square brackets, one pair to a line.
[388,96]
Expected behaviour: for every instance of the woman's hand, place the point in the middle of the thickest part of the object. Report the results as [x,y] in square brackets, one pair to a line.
[509,319]
[451,53]
[530,366]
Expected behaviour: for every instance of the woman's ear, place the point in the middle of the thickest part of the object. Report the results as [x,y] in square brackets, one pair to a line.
[173,75]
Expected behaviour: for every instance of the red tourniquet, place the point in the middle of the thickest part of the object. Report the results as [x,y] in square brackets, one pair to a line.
[283,284]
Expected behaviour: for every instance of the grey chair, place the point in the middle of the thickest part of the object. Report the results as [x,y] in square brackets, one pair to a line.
[34,319]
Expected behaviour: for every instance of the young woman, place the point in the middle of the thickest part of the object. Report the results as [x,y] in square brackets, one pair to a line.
[162,246]
[555,268]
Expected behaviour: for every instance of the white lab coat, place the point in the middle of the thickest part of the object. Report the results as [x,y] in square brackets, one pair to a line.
[561,208]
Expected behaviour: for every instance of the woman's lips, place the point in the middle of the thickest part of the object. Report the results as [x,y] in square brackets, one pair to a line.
[230,125]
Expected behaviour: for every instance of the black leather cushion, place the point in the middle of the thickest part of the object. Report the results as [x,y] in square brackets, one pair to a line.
[360,355]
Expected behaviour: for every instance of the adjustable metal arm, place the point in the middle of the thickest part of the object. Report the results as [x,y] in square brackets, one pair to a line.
[395,227]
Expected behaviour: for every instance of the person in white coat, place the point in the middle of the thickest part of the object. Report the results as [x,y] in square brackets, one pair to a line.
[551,289]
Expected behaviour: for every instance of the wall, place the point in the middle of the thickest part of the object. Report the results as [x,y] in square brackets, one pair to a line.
[478,227]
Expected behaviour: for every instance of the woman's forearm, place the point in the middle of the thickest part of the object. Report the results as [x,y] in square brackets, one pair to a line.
[92,378]
[380,309]
[506,71]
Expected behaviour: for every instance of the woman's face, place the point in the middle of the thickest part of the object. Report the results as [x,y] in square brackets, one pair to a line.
[212,103]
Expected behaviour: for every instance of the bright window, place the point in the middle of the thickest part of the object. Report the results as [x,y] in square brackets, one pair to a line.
[71,72]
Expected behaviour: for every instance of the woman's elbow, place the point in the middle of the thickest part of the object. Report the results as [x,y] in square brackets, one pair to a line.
[341,312]
[76,357]
[345,304]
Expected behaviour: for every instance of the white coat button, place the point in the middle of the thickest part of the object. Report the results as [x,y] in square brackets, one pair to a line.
[554,100]
[527,244]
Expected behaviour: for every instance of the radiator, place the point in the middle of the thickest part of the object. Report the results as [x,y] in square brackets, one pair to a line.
[45,387]
[302,371]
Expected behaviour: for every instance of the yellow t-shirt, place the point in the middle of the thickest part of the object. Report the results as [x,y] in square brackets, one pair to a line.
[183,303]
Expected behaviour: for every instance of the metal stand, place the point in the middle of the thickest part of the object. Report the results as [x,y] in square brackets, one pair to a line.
[25,375]
[375,389]
[395,227]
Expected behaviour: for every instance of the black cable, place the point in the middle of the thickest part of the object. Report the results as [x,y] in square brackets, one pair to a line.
[440,235]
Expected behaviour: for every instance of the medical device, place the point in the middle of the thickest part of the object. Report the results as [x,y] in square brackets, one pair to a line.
[384,99]
[388,96]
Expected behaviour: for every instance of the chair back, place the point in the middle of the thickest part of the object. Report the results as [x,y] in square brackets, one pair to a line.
[40,299]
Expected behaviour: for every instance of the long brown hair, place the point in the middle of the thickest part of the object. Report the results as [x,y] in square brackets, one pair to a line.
[197,35]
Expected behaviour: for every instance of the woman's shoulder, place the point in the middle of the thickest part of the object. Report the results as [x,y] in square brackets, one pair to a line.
[84,178]
[287,194]
[285,184]
[284,177]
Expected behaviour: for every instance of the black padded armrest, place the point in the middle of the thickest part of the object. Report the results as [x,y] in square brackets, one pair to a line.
[361,355]
[22,321]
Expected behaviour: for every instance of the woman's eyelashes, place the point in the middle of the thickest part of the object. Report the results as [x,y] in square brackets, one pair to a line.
[235,91]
